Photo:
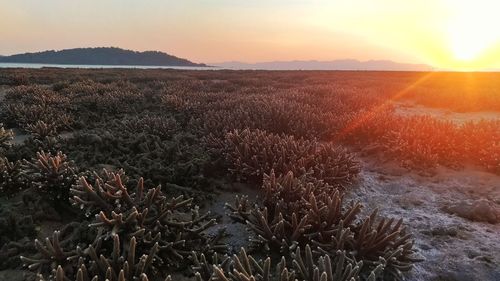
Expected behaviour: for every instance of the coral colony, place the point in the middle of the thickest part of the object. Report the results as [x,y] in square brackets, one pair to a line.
[128,162]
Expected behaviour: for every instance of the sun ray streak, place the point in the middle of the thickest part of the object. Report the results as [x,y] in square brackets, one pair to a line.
[354,124]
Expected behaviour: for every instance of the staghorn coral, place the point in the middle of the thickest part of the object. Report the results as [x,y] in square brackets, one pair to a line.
[377,241]
[64,247]
[330,267]
[160,126]
[50,253]
[5,137]
[82,275]
[146,214]
[241,267]
[118,263]
[423,142]
[13,176]
[51,175]
[41,130]
[140,233]
[305,267]
[91,99]
[276,115]
[309,105]
[178,159]
[295,212]
[252,153]
[27,105]
[481,143]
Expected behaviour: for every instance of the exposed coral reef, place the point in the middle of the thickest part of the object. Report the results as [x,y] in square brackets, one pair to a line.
[300,266]
[295,212]
[289,137]
[5,137]
[251,154]
[137,233]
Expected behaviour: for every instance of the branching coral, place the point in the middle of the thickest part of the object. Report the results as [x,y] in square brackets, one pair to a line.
[259,122]
[251,154]
[5,137]
[12,176]
[52,175]
[276,115]
[178,159]
[41,130]
[145,213]
[160,126]
[377,241]
[96,262]
[482,143]
[423,142]
[27,105]
[138,232]
[295,212]
[305,267]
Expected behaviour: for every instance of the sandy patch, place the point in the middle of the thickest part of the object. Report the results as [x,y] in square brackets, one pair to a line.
[454,248]
[407,108]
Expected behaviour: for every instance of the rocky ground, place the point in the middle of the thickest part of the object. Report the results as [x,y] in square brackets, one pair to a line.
[454,215]
[454,247]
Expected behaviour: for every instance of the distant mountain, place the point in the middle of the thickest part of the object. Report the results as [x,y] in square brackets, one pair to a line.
[348,64]
[100,56]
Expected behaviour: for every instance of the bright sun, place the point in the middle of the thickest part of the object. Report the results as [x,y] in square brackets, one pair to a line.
[473,28]
[467,43]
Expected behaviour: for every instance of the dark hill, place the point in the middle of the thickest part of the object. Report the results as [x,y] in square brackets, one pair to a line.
[100,56]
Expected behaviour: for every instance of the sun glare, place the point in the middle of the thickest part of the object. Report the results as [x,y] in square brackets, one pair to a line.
[472,29]
[467,45]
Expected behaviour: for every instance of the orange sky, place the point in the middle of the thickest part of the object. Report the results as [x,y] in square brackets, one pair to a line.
[458,34]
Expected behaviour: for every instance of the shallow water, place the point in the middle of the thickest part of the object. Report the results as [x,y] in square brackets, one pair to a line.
[42,65]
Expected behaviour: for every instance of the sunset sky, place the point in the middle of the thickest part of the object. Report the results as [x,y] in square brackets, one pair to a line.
[454,34]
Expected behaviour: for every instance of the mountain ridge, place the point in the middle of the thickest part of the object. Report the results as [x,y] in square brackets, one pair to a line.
[340,64]
[100,56]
